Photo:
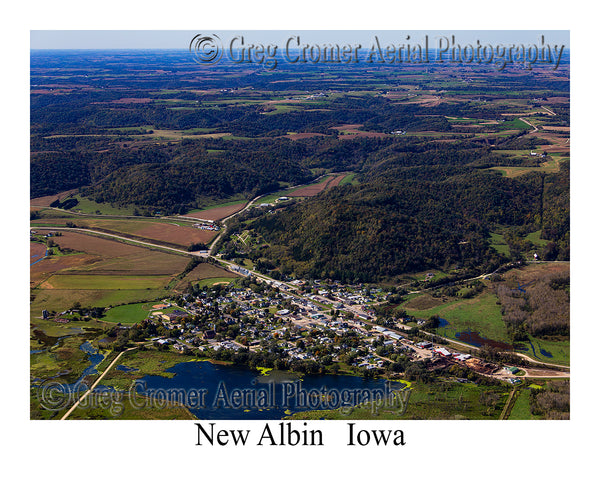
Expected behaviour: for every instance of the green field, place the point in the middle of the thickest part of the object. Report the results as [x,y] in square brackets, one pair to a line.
[59,300]
[211,281]
[349,179]
[521,410]
[86,205]
[482,314]
[534,238]
[499,244]
[128,314]
[559,349]
[106,282]
[479,314]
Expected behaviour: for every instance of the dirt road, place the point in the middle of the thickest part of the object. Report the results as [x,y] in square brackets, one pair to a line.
[64,417]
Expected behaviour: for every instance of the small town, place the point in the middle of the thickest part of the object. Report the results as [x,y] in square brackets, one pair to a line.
[305,326]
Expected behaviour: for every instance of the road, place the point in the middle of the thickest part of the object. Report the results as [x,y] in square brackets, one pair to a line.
[548,110]
[224,222]
[140,242]
[64,417]
[535,129]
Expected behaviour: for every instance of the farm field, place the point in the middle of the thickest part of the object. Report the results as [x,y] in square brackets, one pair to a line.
[59,300]
[305,191]
[314,189]
[552,165]
[204,274]
[218,212]
[104,282]
[36,251]
[100,273]
[159,231]
[48,199]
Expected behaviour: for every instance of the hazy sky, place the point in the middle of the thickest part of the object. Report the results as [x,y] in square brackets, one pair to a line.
[175,39]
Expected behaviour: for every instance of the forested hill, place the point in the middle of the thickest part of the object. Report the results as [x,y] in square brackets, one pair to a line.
[392,224]
[194,177]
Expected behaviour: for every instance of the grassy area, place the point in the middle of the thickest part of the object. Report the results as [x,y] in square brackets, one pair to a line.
[479,314]
[534,238]
[552,165]
[87,205]
[128,314]
[59,300]
[520,410]
[441,400]
[350,179]
[499,244]
[209,282]
[556,351]
[105,282]
[65,358]
[281,108]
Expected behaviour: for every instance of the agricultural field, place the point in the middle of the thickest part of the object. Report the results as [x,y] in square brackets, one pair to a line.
[98,272]
[311,190]
[218,212]
[551,165]
[206,274]
[161,231]
[104,282]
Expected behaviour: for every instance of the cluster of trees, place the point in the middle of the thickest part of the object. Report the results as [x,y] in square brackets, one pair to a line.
[540,310]
[552,402]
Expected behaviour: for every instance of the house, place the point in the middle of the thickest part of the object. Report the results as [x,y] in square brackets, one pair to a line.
[209,334]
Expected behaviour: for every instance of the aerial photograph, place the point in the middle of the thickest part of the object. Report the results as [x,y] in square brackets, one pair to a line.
[300,225]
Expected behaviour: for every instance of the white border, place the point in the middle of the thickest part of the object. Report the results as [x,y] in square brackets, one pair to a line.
[159,449]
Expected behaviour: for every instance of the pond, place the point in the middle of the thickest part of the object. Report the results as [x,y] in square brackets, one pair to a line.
[228,392]
[477,340]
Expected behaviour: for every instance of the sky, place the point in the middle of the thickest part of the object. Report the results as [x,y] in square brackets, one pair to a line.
[180,39]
